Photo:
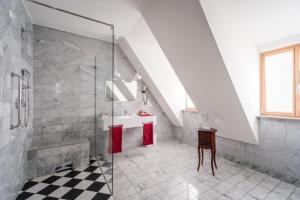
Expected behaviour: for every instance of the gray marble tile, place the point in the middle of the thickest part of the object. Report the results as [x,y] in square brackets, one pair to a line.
[31,154]
[276,137]
[296,194]
[177,160]
[55,151]
[48,169]
[48,161]
[284,190]
[32,173]
[15,54]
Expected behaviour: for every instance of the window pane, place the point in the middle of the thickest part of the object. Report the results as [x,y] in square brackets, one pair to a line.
[279,82]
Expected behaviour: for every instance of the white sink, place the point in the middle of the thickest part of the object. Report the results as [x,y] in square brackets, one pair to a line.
[128,121]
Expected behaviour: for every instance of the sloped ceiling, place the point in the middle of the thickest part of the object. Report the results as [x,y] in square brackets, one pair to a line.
[218,36]
[243,29]
[122,13]
[187,41]
[145,54]
[260,22]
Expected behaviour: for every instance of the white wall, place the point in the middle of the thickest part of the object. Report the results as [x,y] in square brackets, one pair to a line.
[243,29]
[145,54]
[184,35]
[239,53]
[294,39]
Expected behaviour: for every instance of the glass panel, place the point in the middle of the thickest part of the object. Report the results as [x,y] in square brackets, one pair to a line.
[279,80]
[69,77]
[104,108]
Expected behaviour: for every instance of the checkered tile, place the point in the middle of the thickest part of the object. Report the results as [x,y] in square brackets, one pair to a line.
[106,168]
[78,184]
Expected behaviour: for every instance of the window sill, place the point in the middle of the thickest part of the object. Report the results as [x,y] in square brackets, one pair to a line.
[278,117]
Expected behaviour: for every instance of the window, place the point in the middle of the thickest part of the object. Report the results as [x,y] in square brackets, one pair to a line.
[189,105]
[280,78]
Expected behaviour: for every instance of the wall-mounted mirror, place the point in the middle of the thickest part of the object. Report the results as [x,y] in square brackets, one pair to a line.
[120,90]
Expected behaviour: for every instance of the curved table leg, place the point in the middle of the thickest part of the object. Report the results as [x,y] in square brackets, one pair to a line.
[212,162]
[199,158]
[202,156]
[215,159]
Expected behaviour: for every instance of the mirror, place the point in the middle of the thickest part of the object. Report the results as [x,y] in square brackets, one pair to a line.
[120,90]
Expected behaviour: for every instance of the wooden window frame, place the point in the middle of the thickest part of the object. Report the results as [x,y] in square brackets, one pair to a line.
[296,81]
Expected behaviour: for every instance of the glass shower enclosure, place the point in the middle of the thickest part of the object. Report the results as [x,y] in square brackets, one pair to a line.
[69,75]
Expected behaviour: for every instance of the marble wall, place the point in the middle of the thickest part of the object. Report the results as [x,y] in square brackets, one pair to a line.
[15,54]
[277,153]
[43,161]
[64,85]
[64,90]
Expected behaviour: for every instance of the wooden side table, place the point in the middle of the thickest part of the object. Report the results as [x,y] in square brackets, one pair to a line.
[207,140]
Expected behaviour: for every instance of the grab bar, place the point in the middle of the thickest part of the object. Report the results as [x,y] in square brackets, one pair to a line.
[17,104]
[25,95]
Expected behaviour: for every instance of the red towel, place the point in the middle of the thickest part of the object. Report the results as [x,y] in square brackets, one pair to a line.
[148,134]
[145,115]
[115,139]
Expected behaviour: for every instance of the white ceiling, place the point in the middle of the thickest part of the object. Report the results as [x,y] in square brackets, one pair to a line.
[123,14]
[262,22]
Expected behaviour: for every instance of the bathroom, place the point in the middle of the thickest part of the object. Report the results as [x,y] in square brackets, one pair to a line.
[110,100]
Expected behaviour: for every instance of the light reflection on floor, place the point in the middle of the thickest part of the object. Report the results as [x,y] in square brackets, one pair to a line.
[168,171]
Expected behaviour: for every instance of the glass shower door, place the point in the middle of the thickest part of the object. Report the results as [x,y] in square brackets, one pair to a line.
[68,92]
[104,108]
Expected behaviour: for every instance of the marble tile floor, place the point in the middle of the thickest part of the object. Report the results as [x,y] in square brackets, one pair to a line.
[168,171]
[86,183]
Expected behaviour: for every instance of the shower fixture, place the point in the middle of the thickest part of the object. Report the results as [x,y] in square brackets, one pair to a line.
[15,102]
[25,95]
[144,95]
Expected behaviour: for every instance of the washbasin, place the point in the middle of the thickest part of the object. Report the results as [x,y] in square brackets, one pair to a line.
[127,121]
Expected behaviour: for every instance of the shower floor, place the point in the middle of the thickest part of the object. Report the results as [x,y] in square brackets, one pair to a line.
[86,183]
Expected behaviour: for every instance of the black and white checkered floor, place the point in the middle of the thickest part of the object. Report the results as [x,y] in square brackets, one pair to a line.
[86,183]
